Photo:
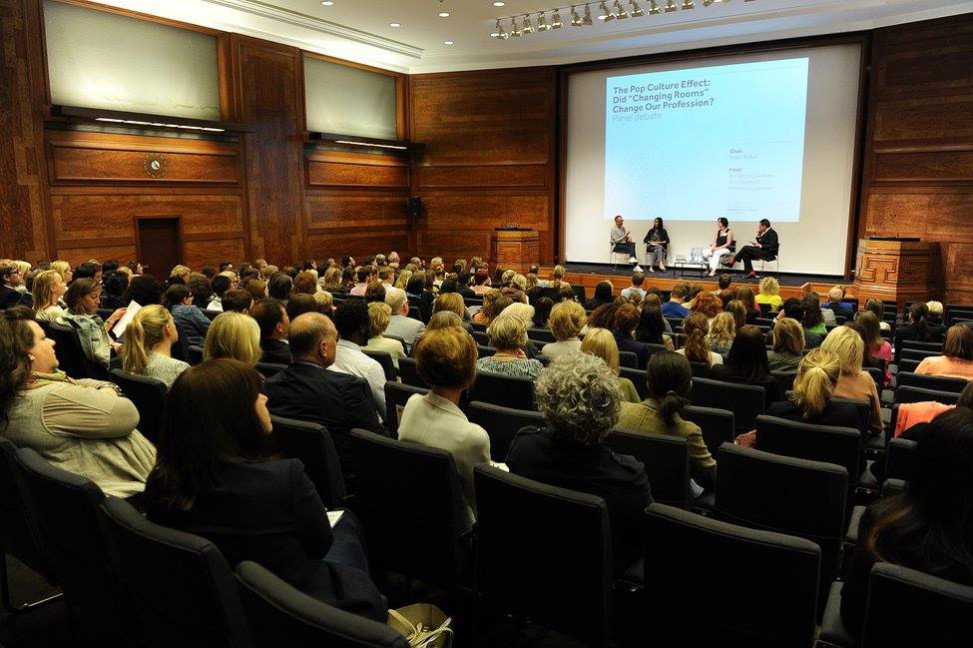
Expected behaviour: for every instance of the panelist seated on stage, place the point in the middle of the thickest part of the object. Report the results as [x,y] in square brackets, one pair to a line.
[765,248]
[723,243]
[656,245]
[621,241]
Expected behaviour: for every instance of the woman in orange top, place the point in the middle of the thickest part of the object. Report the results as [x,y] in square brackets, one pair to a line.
[957,358]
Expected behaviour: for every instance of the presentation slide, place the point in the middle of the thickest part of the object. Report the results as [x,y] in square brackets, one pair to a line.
[693,144]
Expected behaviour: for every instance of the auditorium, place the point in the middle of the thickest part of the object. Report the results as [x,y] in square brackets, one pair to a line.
[486,324]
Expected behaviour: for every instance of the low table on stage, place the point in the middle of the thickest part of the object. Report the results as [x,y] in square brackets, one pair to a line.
[516,249]
[898,270]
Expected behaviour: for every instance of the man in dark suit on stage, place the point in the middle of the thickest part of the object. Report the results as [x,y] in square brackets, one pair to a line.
[765,247]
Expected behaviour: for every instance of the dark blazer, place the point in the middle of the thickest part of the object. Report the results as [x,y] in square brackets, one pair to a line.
[275,351]
[619,479]
[836,414]
[270,513]
[772,388]
[663,237]
[339,402]
[640,349]
[769,242]
[9,297]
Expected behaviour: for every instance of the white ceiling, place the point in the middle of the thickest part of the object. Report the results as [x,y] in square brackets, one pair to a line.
[359,30]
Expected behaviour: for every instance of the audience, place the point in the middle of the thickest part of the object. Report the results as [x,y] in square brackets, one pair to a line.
[652,327]
[638,279]
[957,358]
[696,327]
[626,320]
[579,398]
[82,426]
[877,307]
[745,295]
[917,329]
[601,343]
[508,335]
[708,305]
[190,320]
[542,312]
[400,324]
[446,361]
[814,387]
[49,288]
[274,324]
[83,299]
[603,295]
[220,284]
[566,322]
[147,348]
[379,315]
[217,477]
[669,381]
[876,346]
[235,336]
[854,383]
[747,364]
[351,320]
[769,294]
[813,318]
[721,333]
[788,345]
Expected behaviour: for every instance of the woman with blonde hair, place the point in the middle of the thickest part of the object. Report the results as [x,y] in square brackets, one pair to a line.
[379,316]
[557,276]
[235,336]
[566,322]
[332,279]
[509,336]
[788,345]
[49,288]
[449,302]
[63,268]
[493,304]
[721,333]
[403,281]
[854,383]
[814,388]
[601,343]
[769,294]
[147,348]
[180,272]
[696,327]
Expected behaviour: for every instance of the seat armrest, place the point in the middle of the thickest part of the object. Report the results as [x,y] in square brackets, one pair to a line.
[833,631]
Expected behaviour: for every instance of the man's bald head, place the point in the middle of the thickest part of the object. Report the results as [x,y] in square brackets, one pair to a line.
[307,332]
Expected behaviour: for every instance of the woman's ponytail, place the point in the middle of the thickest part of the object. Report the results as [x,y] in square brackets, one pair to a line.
[817,377]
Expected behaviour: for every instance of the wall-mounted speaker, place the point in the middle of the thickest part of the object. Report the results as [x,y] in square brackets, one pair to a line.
[415,207]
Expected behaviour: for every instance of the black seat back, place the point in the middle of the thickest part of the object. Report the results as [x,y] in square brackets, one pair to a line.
[195,354]
[745,401]
[637,376]
[149,397]
[896,595]
[409,372]
[666,461]
[70,354]
[530,539]
[270,369]
[502,424]
[396,396]
[516,393]
[937,383]
[901,454]
[718,425]
[541,335]
[909,394]
[70,528]
[276,610]
[700,369]
[312,444]
[408,486]
[19,534]
[761,587]
[180,584]
[383,358]
[785,379]
[629,360]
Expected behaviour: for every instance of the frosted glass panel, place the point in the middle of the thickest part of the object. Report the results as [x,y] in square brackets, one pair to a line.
[348,101]
[103,60]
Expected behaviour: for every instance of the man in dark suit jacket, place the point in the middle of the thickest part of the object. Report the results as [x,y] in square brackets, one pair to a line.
[307,392]
[766,247]
[274,324]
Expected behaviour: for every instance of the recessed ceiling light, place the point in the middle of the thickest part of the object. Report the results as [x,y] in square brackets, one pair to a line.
[444,14]
[447,42]
[498,3]
[395,24]
[327,3]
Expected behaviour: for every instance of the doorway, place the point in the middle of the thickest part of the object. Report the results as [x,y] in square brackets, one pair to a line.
[159,245]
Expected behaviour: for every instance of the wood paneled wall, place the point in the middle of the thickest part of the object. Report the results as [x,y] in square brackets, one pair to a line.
[489,160]
[918,173]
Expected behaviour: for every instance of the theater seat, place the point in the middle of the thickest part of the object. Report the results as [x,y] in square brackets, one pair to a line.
[149,397]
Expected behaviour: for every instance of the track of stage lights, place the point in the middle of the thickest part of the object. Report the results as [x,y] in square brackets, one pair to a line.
[580,15]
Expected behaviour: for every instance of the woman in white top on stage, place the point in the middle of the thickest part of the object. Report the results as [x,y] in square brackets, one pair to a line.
[723,243]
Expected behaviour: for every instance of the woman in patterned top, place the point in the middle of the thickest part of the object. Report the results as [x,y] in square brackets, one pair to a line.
[509,336]
[148,346]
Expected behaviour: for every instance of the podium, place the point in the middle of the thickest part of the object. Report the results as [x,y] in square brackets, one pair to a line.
[898,271]
[514,249]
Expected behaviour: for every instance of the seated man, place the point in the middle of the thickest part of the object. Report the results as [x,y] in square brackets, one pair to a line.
[765,247]
[272,318]
[354,326]
[621,240]
[306,392]
[674,307]
[837,306]
[638,279]
[400,324]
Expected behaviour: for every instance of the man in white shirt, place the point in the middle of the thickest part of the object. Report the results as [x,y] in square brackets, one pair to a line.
[637,279]
[352,323]
[400,324]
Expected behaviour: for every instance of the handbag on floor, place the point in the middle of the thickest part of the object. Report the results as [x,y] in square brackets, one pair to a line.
[423,625]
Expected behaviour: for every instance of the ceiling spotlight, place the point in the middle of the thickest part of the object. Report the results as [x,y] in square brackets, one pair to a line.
[542,22]
[498,3]
[587,16]
[444,14]
[620,12]
[654,8]
[707,3]
[575,18]
[528,25]
[447,42]
[688,4]
[556,22]
[514,29]
[499,34]
[327,3]
[395,24]
[606,15]
[671,6]
[636,10]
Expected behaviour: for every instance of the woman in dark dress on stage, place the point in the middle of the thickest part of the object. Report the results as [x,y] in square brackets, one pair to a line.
[656,244]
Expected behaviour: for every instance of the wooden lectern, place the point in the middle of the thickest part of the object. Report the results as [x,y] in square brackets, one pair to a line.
[898,271]
[514,249]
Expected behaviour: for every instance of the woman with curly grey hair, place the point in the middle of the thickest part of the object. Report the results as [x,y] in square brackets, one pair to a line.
[580,399]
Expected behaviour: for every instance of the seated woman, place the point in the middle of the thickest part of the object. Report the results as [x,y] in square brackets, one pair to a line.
[83,299]
[601,343]
[148,345]
[379,316]
[542,311]
[855,383]
[747,364]
[957,358]
[579,398]
[451,301]
[566,322]
[696,327]
[723,243]
[745,295]
[929,526]
[876,347]
[493,305]
[652,327]
[235,336]
[707,304]
[217,477]
[769,294]
[721,333]
[919,328]
[812,319]
[179,300]
[509,336]
[788,345]
[603,295]
[817,377]
[670,379]
[446,361]
[446,319]
[82,426]
[626,321]
[49,288]
[877,307]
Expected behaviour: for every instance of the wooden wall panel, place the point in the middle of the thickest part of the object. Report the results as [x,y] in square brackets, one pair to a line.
[201,253]
[918,174]
[489,159]
[358,244]
[75,255]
